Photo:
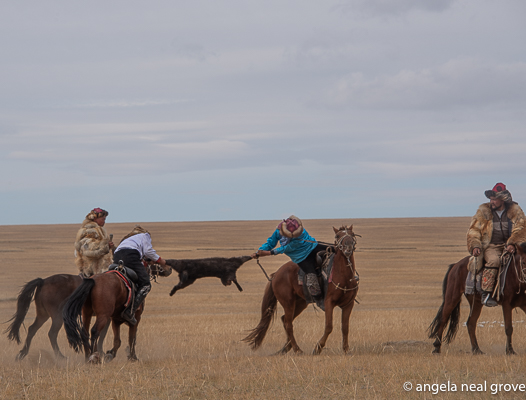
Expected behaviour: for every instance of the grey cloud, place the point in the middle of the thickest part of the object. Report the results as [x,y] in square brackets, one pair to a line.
[463,82]
[397,7]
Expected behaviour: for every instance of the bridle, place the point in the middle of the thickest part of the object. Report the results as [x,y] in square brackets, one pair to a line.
[346,244]
[155,270]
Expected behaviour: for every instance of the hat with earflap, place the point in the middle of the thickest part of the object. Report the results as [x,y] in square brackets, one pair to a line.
[500,192]
[291,227]
[97,213]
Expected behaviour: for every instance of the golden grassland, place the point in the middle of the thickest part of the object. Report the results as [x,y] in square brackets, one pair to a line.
[189,345]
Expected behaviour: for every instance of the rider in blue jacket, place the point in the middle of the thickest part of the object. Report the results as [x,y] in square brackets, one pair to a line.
[302,249]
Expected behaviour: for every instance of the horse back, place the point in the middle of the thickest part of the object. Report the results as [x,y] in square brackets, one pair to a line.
[56,289]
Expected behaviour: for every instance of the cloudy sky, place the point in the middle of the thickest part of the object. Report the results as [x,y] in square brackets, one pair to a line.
[234,110]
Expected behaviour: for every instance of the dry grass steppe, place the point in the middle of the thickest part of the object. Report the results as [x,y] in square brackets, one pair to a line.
[189,345]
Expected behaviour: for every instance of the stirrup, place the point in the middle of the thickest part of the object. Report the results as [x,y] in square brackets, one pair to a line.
[488,301]
[129,317]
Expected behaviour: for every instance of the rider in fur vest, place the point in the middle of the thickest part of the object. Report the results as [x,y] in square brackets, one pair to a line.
[495,228]
[93,245]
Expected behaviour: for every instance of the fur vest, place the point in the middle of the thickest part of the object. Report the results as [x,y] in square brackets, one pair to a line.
[92,251]
[481,229]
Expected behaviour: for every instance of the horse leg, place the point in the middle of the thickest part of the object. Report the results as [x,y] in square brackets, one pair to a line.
[329,309]
[346,316]
[99,326]
[132,338]
[475,310]
[300,305]
[102,336]
[40,319]
[508,327]
[111,354]
[56,323]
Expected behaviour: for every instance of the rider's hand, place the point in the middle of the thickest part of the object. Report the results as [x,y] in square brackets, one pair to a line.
[510,249]
[476,252]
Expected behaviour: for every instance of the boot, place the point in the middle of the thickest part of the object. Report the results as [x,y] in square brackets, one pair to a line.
[315,291]
[487,300]
[129,314]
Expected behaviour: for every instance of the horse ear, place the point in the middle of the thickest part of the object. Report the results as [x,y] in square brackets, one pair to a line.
[350,227]
[335,230]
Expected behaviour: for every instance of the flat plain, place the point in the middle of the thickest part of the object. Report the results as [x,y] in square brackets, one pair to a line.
[190,347]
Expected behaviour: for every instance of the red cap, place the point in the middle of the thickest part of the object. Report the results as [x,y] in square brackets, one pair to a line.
[499,187]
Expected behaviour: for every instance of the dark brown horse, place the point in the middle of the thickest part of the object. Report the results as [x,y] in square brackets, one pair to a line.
[105,296]
[284,287]
[454,286]
[50,295]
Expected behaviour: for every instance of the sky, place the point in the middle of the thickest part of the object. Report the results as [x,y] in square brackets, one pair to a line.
[255,110]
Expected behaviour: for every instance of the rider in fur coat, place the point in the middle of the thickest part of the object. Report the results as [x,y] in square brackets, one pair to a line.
[93,247]
[495,228]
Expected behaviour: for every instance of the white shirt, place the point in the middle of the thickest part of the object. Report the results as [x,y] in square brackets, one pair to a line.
[141,242]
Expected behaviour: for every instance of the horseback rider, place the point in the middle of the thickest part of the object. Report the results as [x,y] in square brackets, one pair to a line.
[132,249]
[494,230]
[93,245]
[301,248]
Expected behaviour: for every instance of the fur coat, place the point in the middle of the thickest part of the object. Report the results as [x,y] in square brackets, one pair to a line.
[481,229]
[92,250]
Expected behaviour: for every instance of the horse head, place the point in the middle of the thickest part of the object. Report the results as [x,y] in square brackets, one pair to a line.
[345,240]
[156,270]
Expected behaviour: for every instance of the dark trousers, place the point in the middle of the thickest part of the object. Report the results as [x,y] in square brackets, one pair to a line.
[309,264]
[132,259]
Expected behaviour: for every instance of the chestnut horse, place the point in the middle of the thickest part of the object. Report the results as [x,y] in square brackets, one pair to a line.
[105,296]
[284,287]
[454,286]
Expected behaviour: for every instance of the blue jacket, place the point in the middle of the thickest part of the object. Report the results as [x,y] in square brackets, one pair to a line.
[297,248]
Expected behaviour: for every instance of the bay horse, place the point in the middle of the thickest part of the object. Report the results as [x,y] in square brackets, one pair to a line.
[103,295]
[49,295]
[284,287]
[453,287]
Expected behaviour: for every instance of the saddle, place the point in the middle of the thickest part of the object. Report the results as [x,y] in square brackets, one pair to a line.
[324,260]
[129,277]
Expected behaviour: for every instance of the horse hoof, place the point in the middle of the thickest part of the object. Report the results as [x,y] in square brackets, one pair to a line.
[436,351]
[133,359]
[511,352]
[477,352]
[94,358]
[108,357]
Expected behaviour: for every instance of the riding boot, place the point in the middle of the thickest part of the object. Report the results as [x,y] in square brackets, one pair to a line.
[487,300]
[315,291]
[129,314]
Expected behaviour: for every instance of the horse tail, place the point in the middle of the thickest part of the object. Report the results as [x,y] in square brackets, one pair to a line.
[268,312]
[453,318]
[22,307]
[71,314]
